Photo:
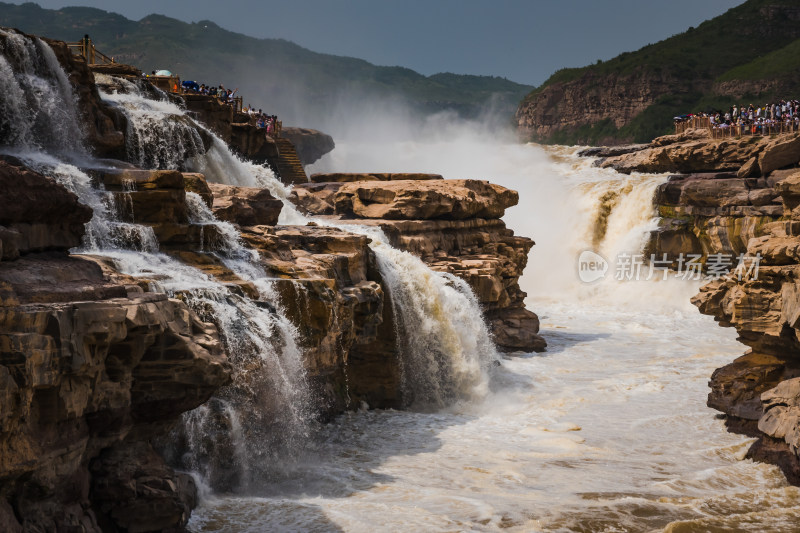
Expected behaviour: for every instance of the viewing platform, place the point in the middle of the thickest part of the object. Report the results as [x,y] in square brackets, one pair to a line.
[722,131]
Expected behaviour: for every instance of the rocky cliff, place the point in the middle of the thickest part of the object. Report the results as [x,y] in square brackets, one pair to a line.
[634,96]
[98,366]
[91,369]
[453,225]
[738,196]
[759,392]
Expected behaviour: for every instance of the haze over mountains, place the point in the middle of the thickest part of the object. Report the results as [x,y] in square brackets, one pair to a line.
[301,86]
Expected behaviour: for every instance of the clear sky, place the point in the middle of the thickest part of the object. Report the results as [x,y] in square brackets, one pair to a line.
[522,40]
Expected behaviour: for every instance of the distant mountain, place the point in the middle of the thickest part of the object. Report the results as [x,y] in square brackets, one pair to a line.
[749,54]
[279,76]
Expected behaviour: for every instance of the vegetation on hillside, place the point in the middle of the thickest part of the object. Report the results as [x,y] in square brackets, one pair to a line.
[755,41]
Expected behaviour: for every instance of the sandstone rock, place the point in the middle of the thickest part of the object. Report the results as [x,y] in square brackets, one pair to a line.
[196,183]
[88,376]
[135,490]
[688,135]
[609,151]
[749,168]
[37,213]
[215,115]
[709,213]
[315,198]
[781,418]
[736,388]
[789,189]
[252,143]
[347,177]
[765,310]
[140,180]
[310,144]
[690,156]
[779,153]
[246,206]
[449,199]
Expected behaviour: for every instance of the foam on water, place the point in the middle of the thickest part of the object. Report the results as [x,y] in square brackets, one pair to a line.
[607,431]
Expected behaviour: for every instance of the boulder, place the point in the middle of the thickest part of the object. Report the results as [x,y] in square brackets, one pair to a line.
[245,206]
[36,213]
[310,144]
[430,199]
[780,153]
[781,419]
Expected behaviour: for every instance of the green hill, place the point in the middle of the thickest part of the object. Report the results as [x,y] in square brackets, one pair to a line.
[750,52]
[302,86]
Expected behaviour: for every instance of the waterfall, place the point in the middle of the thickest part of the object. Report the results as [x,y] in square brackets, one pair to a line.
[159,134]
[253,429]
[444,341]
[38,104]
[40,126]
[266,412]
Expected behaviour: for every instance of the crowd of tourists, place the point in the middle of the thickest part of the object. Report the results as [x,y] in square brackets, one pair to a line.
[778,117]
[261,119]
[226,95]
[257,116]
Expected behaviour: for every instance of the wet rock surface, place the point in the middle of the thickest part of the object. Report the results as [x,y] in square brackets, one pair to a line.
[469,240]
[759,391]
[96,366]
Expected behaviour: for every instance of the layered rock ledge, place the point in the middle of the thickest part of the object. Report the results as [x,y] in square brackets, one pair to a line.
[91,370]
[453,225]
[759,392]
[740,196]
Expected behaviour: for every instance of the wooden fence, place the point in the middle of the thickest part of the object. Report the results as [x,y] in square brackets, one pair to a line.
[85,48]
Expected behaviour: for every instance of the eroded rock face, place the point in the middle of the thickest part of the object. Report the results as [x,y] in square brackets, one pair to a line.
[420,199]
[758,391]
[469,241]
[91,369]
[85,378]
[712,213]
[694,152]
[310,144]
[36,213]
[246,206]
[590,99]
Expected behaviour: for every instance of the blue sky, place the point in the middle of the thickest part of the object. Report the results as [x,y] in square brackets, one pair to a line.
[524,41]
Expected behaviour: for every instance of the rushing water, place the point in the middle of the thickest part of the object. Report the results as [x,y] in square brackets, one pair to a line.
[606,431]
[254,430]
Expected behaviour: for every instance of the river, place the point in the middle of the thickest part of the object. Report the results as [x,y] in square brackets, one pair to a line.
[606,431]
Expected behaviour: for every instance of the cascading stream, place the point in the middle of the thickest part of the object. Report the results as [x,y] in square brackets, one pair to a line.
[446,346]
[270,397]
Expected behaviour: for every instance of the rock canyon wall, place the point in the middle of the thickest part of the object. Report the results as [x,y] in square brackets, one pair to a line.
[738,196]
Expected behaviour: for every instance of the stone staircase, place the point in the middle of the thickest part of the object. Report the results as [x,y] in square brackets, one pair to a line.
[289,168]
